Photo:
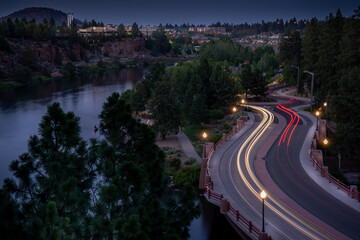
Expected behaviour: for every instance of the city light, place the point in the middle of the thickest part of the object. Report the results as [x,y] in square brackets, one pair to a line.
[234,109]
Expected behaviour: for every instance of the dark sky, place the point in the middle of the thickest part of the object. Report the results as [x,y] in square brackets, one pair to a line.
[151,12]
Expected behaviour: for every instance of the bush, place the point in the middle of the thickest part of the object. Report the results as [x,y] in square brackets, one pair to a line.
[215,137]
[22,74]
[69,70]
[188,174]
[216,114]
[173,164]
[190,161]
[226,127]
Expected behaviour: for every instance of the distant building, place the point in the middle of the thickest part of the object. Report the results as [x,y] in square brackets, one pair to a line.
[208,30]
[200,38]
[148,30]
[107,31]
[70,19]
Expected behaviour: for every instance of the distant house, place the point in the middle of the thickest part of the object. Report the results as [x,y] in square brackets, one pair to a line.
[208,30]
[148,30]
[107,31]
[200,38]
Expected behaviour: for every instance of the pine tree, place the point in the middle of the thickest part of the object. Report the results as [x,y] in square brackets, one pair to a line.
[327,69]
[55,168]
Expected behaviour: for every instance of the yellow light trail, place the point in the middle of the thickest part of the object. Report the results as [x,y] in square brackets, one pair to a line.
[267,120]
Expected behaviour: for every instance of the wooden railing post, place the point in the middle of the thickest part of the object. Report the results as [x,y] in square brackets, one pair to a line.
[250,226]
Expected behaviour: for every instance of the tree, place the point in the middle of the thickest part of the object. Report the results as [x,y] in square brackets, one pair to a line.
[135,32]
[138,97]
[121,31]
[28,58]
[55,168]
[222,86]
[165,109]
[310,44]
[327,67]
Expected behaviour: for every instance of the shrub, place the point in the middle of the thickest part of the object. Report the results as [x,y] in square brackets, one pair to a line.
[216,114]
[226,126]
[188,174]
[22,74]
[173,164]
[190,161]
[215,137]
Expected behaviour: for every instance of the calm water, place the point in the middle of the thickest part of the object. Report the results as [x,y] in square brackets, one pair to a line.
[21,111]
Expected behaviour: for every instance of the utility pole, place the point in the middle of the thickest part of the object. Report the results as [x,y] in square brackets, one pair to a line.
[312,87]
[298,77]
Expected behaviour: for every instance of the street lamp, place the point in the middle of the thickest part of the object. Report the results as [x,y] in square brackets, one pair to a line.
[325,144]
[317,119]
[325,106]
[298,76]
[234,109]
[204,135]
[263,196]
[312,87]
[242,111]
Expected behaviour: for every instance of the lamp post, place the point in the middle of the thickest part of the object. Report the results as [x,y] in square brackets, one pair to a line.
[204,135]
[325,106]
[317,119]
[234,109]
[263,196]
[298,76]
[325,144]
[312,87]
[242,102]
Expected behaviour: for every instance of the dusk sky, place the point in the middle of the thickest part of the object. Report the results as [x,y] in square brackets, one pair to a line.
[149,12]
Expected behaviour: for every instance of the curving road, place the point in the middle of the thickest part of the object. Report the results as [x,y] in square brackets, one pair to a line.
[233,172]
[283,165]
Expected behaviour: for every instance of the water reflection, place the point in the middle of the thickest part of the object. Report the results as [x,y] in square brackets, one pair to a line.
[21,109]
[211,225]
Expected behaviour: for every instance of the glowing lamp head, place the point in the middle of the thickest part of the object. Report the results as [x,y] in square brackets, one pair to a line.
[204,135]
[317,113]
[326,141]
[325,104]
[263,194]
[242,101]
[234,109]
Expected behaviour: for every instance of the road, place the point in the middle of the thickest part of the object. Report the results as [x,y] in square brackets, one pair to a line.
[236,179]
[283,165]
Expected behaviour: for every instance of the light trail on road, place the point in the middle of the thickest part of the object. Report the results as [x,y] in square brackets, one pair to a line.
[275,205]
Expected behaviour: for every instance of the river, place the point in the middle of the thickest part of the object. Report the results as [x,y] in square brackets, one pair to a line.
[21,110]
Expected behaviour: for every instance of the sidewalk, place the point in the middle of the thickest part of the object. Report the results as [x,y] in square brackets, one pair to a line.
[306,161]
[316,175]
[187,147]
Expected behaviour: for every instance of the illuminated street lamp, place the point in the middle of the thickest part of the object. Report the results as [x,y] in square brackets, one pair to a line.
[263,196]
[242,111]
[325,106]
[204,135]
[234,109]
[325,144]
[317,119]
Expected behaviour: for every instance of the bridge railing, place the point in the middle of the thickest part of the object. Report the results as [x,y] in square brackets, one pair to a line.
[216,198]
[332,179]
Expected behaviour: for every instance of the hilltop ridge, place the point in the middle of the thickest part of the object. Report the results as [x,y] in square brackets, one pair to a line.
[39,13]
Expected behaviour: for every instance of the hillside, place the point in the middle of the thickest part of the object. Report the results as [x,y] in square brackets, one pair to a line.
[39,13]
